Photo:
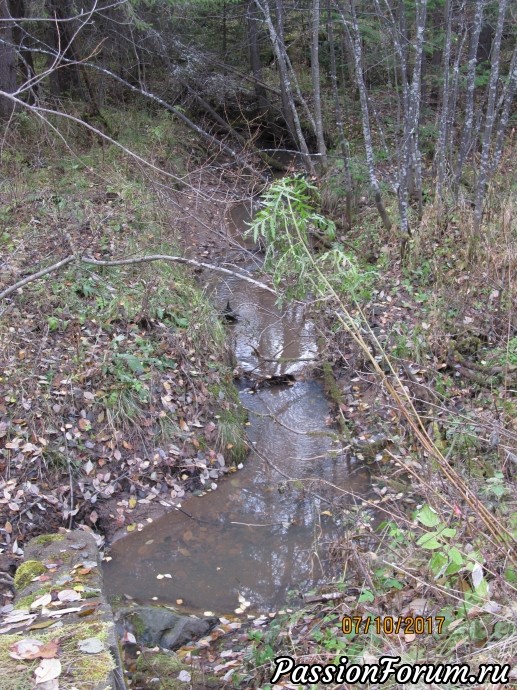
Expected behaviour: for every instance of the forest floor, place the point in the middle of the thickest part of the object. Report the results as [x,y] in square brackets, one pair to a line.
[117,392]
[117,397]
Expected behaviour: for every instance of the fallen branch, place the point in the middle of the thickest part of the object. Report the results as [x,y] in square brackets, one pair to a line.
[35,276]
[127,262]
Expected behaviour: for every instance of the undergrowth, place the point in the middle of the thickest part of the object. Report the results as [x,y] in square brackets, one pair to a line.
[120,365]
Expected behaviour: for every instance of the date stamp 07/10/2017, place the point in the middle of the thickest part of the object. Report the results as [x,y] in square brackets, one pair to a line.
[392,625]
[388,667]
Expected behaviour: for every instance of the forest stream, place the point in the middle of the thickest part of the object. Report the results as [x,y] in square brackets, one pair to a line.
[265,531]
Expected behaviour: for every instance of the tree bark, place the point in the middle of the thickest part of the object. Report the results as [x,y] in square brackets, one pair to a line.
[285,82]
[316,83]
[468,120]
[7,60]
[25,59]
[508,96]
[483,174]
[365,115]
[64,80]
[254,56]
[338,112]
[444,112]
[415,157]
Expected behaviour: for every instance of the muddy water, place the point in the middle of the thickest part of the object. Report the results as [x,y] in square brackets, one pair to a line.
[264,532]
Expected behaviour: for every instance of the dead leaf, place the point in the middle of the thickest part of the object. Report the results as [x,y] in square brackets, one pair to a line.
[49,685]
[41,625]
[49,650]
[64,612]
[88,611]
[84,424]
[48,670]
[92,645]
[68,595]
[25,649]
[44,600]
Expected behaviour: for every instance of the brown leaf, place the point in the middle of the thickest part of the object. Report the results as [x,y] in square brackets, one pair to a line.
[26,649]
[41,625]
[49,650]
[84,424]
[88,612]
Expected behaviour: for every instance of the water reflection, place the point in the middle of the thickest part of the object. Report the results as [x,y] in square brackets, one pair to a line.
[264,531]
[256,535]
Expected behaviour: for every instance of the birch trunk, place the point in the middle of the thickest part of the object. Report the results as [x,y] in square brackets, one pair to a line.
[254,56]
[280,54]
[338,113]
[483,174]
[468,121]
[277,37]
[414,108]
[508,96]
[7,61]
[396,32]
[316,83]
[444,112]
[365,115]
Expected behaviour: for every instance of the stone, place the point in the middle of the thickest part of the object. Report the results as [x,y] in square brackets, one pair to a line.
[159,626]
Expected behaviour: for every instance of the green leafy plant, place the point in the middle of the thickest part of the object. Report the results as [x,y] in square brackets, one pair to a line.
[450,557]
[290,226]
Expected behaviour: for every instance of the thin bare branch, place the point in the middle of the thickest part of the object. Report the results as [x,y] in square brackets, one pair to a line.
[128,262]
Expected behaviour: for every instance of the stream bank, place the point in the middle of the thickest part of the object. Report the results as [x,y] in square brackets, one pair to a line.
[262,536]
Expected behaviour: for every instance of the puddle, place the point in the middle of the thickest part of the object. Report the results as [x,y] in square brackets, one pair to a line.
[264,532]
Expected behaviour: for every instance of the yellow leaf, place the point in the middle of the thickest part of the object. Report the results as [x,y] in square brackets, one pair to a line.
[132,502]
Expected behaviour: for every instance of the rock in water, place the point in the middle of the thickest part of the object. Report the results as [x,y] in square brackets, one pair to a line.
[158,626]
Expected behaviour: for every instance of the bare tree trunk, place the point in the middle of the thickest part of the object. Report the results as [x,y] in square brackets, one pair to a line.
[347,177]
[415,157]
[282,66]
[397,31]
[64,80]
[25,59]
[468,121]
[444,113]
[483,174]
[316,84]
[281,56]
[508,96]
[455,86]
[365,115]
[7,60]
[254,55]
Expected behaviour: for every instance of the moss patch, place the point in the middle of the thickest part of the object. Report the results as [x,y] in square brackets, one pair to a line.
[27,572]
[45,539]
[80,670]
[25,602]
[166,666]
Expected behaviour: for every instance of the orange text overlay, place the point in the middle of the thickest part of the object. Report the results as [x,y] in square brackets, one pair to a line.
[392,625]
